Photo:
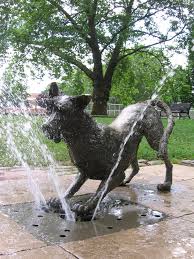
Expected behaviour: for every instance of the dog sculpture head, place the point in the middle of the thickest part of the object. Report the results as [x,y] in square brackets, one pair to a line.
[65,112]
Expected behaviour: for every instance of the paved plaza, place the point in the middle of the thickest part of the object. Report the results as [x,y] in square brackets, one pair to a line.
[172,237]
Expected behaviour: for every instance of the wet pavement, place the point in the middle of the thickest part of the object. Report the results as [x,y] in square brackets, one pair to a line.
[172,237]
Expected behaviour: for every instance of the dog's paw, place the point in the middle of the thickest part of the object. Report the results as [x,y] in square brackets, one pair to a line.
[80,208]
[54,202]
[164,187]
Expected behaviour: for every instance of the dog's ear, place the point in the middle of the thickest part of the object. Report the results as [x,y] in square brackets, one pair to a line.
[46,103]
[81,101]
[65,102]
[53,90]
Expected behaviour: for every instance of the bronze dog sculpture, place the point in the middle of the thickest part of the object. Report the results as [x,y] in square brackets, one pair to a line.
[94,148]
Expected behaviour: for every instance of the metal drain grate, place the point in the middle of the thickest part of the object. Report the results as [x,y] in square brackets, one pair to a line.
[116,214]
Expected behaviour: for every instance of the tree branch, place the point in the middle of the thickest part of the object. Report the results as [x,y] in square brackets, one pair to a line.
[115,54]
[95,4]
[154,55]
[94,41]
[75,62]
[69,58]
[149,33]
[151,45]
[147,15]
[72,21]
[113,37]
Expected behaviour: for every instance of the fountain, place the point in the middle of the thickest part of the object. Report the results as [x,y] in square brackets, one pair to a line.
[93,147]
[17,121]
[103,153]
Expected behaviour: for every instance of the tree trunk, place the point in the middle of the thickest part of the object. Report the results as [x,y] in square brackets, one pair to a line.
[99,108]
[101,93]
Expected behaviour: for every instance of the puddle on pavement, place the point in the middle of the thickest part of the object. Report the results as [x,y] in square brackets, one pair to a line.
[117,213]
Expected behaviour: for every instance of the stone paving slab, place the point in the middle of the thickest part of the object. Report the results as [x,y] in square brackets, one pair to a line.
[173,238]
[178,202]
[156,173]
[17,191]
[165,240]
[14,238]
[189,217]
[188,162]
[142,187]
[48,252]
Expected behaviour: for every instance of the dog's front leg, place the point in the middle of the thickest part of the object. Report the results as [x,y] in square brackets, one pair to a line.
[101,191]
[55,203]
[75,186]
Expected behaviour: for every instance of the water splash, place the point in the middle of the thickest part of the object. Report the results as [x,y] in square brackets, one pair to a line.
[30,148]
[160,85]
[35,190]
[54,179]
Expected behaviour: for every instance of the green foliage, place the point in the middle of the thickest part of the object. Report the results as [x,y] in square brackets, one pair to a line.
[177,88]
[61,34]
[75,83]
[191,53]
[191,45]
[93,36]
[14,86]
[137,77]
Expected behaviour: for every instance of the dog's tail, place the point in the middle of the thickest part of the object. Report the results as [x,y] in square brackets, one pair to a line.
[164,140]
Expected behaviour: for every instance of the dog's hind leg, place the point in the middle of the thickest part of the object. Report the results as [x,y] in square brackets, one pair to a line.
[166,186]
[155,144]
[135,170]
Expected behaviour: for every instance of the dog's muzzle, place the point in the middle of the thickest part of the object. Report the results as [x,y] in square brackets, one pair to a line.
[56,137]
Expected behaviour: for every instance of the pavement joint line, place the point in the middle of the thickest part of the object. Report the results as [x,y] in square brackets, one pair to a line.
[186,214]
[23,250]
[69,252]
[4,205]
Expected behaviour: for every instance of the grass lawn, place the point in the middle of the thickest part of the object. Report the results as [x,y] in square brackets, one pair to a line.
[181,144]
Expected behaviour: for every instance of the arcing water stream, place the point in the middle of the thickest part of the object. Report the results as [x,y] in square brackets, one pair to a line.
[30,147]
[122,146]
[35,190]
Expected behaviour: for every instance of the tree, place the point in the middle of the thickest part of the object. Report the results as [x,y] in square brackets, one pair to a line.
[89,34]
[137,77]
[75,82]
[13,91]
[177,88]
[191,54]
